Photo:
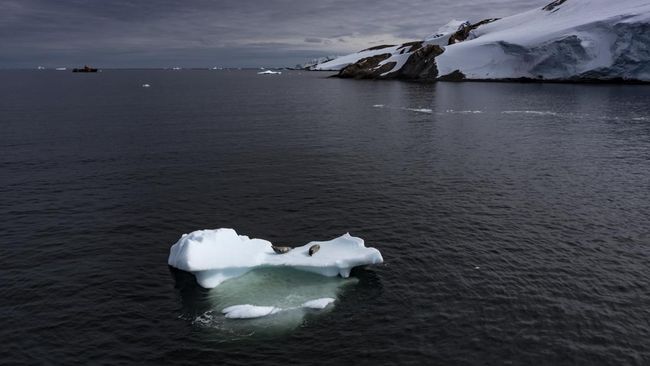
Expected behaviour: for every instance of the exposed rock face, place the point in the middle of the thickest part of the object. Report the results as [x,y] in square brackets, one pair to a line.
[464,33]
[421,64]
[367,68]
[377,47]
[453,76]
[553,5]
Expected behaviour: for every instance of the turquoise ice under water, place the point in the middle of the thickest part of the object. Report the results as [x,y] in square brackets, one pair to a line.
[285,289]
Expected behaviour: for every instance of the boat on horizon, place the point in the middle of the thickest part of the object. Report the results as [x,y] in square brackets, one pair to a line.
[86,68]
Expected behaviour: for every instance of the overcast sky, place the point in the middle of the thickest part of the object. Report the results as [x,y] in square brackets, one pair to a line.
[230,33]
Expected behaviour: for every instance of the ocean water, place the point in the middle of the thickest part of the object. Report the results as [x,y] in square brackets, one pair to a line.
[513,218]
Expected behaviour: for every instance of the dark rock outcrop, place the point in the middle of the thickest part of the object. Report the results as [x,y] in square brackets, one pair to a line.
[463,33]
[378,47]
[456,75]
[421,64]
[367,68]
[553,5]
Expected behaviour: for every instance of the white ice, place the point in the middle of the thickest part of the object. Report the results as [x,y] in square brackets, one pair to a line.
[318,303]
[269,72]
[214,256]
[248,311]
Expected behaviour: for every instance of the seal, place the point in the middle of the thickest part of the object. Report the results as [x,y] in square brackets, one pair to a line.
[280,250]
[313,249]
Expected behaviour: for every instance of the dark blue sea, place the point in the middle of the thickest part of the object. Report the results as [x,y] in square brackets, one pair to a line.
[514,219]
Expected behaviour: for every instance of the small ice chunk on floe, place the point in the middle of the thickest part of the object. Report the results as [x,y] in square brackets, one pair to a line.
[214,256]
[269,72]
[248,311]
[318,303]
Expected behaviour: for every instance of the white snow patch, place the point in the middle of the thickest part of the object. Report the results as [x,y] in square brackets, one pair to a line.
[214,256]
[398,58]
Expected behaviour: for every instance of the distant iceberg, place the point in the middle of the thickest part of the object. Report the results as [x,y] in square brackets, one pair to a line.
[214,256]
[269,72]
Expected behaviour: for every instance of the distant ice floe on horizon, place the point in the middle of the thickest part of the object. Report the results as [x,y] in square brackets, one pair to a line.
[146,85]
[464,111]
[417,110]
[539,113]
[269,72]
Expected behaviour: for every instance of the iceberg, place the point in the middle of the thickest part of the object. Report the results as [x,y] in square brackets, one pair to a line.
[214,256]
[269,72]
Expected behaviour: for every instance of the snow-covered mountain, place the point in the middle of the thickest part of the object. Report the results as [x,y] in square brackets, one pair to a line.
[311,64]
[564,40]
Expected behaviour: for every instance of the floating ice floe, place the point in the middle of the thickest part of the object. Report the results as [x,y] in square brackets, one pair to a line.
[214,256]
[248,311]
[146,85]
[419,110]
[269,72]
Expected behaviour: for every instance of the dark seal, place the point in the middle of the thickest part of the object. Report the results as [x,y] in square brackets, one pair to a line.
[313,249]
[280,250]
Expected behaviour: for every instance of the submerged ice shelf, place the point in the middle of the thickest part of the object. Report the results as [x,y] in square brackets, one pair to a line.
[214,256]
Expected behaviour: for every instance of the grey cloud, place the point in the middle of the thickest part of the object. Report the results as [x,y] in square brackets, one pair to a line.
[153,33]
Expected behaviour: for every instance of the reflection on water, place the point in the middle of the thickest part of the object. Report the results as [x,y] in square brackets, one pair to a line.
[286,289]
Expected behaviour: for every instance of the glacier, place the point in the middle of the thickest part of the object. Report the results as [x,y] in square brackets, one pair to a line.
[214,256]
[566,40]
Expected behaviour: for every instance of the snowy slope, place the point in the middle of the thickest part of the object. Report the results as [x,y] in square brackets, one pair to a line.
[564,40]
[574,38]
[343,61]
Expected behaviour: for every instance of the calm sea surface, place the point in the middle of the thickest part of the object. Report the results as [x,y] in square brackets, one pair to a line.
[514,219]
